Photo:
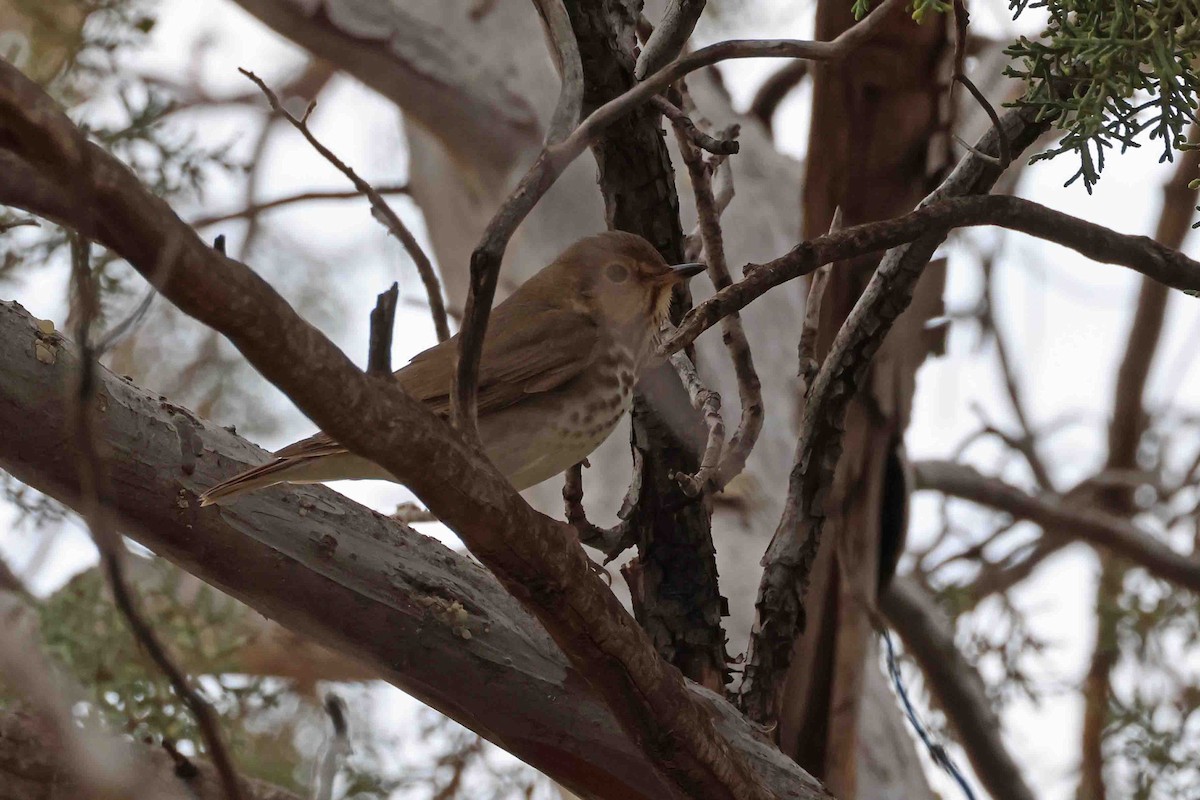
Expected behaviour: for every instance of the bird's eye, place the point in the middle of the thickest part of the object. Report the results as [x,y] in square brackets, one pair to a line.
[617,273]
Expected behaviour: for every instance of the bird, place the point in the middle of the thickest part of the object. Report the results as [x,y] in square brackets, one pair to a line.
[560,360]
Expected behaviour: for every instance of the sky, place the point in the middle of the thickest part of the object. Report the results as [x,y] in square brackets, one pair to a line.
[1065,317]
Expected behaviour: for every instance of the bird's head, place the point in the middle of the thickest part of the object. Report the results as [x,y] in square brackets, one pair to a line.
[620,279]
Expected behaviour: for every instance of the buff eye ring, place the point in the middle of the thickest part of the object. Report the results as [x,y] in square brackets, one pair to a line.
[617,273]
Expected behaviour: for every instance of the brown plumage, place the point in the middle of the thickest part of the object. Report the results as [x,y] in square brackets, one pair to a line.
[559,363]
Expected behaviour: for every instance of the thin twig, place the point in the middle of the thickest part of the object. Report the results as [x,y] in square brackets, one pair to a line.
[108,541]
[255,209]
[383,323]
[684,125]
[708,403]
[808,362]
[610,541]
[379,207]
[708,215]
[1005,157]
[1027,444]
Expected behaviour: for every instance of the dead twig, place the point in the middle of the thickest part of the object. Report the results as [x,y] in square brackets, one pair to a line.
[610,541]
[685,127]
[708,403]
[255,209]
[379,207]
[383,323]
[708,213]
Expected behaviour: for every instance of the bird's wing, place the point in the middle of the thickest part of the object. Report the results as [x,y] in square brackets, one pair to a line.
[523,354]
[520,357]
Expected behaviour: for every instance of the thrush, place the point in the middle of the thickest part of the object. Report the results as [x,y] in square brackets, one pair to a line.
[560,360]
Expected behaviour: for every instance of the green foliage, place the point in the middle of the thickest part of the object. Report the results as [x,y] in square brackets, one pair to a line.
[121,112]
[85,633]
[1106,72]
[1109,72]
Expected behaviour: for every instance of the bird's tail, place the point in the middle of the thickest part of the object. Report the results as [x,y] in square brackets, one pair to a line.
[278,471]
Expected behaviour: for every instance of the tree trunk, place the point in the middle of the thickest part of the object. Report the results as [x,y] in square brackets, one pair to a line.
[869,155]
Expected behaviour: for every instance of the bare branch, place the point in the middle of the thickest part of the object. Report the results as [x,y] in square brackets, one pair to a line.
[708,403]
[379,208]
[1140,253]
[708,214]
[723,190]
[684,125]
[1102,530]
[570,69]
[383,323]
[255,209]
[669,36]
[955,685]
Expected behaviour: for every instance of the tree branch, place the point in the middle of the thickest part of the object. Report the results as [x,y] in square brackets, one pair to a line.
[256,209]
[708,214]
[669,37]
[1100,529]
[570,70]
[1170,267]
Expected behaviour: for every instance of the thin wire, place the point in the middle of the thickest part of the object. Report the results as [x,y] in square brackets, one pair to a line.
[936,751]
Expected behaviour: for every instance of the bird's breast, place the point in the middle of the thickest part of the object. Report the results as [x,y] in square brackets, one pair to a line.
[544,438]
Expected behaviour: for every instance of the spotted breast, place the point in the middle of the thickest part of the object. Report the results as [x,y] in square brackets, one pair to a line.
[537,440]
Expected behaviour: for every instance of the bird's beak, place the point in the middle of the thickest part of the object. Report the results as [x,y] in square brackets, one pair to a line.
[682,272]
